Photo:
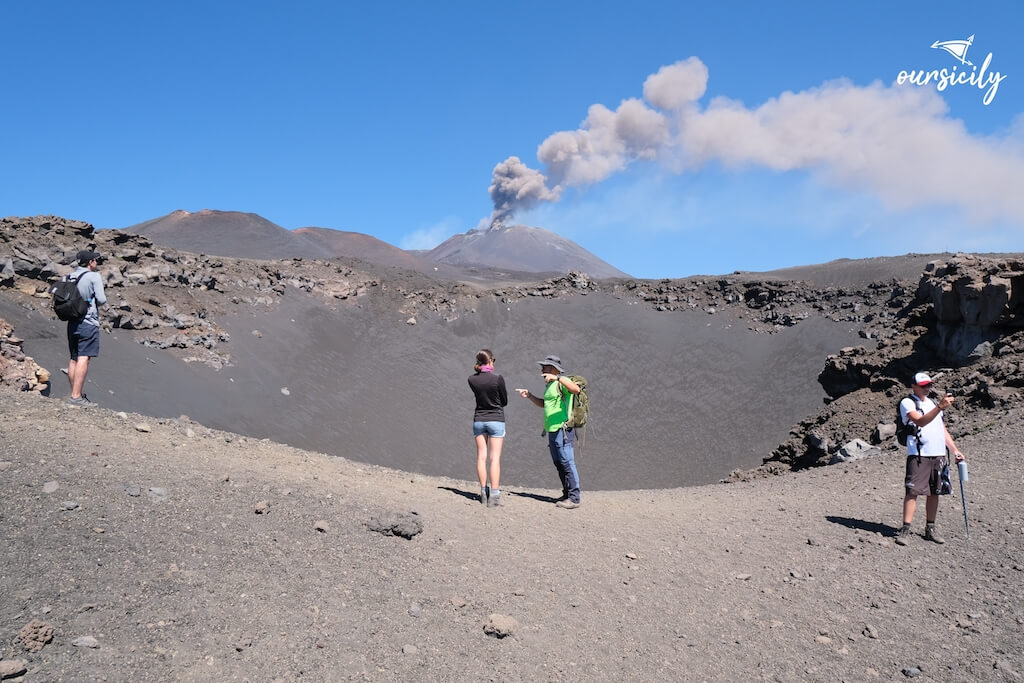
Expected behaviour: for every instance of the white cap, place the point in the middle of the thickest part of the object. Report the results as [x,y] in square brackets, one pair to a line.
[922,379]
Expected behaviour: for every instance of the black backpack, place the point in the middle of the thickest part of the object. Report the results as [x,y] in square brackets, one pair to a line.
[904,430]
[68,303]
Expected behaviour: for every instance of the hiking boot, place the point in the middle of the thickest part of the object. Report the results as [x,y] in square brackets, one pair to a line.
[902,536]
[81,402]
[567,504]
[930,535]
[494,499]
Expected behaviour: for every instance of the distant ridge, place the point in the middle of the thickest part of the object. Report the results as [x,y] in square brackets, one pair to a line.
[366,247]
[228,233]
[515,251]
[523,248]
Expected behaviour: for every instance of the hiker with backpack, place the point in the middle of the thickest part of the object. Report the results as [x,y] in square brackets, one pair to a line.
[557,402]
[78,305]
[927,441]
[488,425]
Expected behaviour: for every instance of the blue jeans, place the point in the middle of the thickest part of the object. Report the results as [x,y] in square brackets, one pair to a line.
[560,445]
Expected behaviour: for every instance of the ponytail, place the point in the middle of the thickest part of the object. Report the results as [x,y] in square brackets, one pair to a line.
[483,357]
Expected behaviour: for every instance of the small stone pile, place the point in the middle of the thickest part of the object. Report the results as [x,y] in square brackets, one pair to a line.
[16,369]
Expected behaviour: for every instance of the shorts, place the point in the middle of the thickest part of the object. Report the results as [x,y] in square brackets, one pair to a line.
[928,476]
[83,340]
[495,429]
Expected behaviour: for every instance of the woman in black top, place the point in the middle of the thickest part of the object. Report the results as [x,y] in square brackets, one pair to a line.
[488,424]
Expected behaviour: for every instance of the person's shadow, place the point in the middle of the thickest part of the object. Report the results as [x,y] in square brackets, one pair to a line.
[460,492]
[534,496]
[476,496]
[863,525]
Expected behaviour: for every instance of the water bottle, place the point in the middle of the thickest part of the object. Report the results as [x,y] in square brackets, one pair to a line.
[962,469]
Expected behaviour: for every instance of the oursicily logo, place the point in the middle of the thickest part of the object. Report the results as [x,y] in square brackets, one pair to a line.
[981,78]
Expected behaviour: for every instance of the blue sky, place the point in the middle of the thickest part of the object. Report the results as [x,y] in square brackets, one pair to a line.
[390,119]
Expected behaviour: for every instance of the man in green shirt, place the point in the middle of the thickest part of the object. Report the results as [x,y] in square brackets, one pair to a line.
[559,391]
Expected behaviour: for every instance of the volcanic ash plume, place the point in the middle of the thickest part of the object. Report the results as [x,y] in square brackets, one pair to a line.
[896,142]
[515,186]
[607,142]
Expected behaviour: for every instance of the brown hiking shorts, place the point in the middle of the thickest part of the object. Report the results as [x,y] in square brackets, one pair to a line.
[927,476]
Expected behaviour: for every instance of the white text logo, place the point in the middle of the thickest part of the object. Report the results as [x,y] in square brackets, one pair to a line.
[981,78]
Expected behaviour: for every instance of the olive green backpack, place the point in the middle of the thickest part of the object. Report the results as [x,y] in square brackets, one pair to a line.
[580,403]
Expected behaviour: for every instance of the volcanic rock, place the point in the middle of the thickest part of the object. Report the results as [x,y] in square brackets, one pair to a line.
[35,635]
[396,524]
[500,626]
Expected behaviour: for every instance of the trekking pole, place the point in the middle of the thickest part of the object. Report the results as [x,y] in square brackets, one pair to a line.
[961,468]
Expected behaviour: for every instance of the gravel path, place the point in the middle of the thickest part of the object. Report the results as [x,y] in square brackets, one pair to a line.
[161,550]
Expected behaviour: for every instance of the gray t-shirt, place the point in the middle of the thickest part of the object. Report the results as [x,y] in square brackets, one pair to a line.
[90,286]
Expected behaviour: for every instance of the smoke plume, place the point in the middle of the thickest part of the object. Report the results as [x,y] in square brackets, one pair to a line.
[515,186]
[897,142]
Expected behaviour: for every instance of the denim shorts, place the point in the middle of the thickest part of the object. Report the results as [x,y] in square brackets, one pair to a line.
[495,429]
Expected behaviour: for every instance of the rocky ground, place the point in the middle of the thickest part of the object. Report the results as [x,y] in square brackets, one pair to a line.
[964,324]
[164,298]
[137,549]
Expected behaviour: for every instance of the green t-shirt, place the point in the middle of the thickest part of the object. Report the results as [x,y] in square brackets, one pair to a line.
[557,406]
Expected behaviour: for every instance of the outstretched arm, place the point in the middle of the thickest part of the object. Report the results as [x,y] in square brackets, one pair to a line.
[525,393]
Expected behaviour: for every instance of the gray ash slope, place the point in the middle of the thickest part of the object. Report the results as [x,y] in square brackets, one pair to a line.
[520,248]
[690,379]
